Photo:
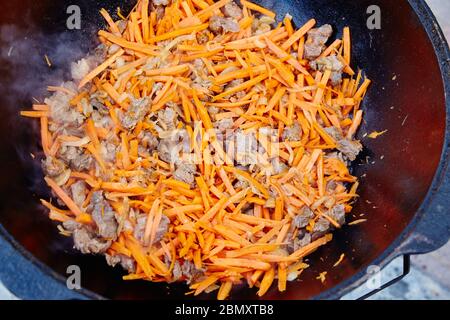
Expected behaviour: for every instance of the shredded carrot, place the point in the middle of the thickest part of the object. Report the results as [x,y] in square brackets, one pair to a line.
[91,75]
[157,132]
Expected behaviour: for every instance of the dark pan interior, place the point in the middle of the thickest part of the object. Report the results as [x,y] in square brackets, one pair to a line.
[406,99]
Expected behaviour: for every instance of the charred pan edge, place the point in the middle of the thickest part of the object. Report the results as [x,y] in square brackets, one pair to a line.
[41,282]
[430,228]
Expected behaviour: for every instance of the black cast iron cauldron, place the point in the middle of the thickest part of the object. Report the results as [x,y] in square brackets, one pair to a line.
[405,185]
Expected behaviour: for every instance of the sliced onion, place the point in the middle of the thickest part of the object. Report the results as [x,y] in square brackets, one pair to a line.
[78,143]
[63,177]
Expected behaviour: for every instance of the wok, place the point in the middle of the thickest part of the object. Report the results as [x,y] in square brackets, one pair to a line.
[405,183]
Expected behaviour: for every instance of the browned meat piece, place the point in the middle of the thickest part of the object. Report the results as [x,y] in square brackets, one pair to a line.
[238,95]
[125,262]
[303,239]
[332,63]
[139,228]
[302,219]
[185,172]
[75,158]
[350,148]
[169,151]
[85,240]
[100,120]
[136,112]
[60,109]
[177,272]
[220,24]
[162,228]
[338,214]
[149,141]
[53,167]
[202,37]
[232,10]
[167,119]
[191,272]
[321,227]
[292,133]
[315,43]
[223,124]
[78,190]
[278,166]
[141,222]
[301,242]
[108,151]
[100,107]
[104,216]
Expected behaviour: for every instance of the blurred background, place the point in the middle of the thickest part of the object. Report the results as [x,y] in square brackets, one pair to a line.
[430,274]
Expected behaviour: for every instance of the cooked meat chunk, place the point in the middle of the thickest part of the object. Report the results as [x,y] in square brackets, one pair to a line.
[78,190]
[321,227]
[87,242]
[338,214]
[139,228]
[162,228]
[292,133]
[316,40]
[191,272]
[100,107]
[167,119]
[350,148]
[168,151]
[60,109]
[76,158]
[232,10]
[171,146]
[177,272]
[219,24]
[125,262]
[202,37]
[103,216]
[238,95]
[100,119]
[278,166]
[223,124]
[141,222]
[53,167]
[301,242]
[302,219]
[149,141]
[136,112]
[108,151]
[185,172]
[332,63]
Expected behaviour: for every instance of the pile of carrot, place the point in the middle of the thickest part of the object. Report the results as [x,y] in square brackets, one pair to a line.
[207,224]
